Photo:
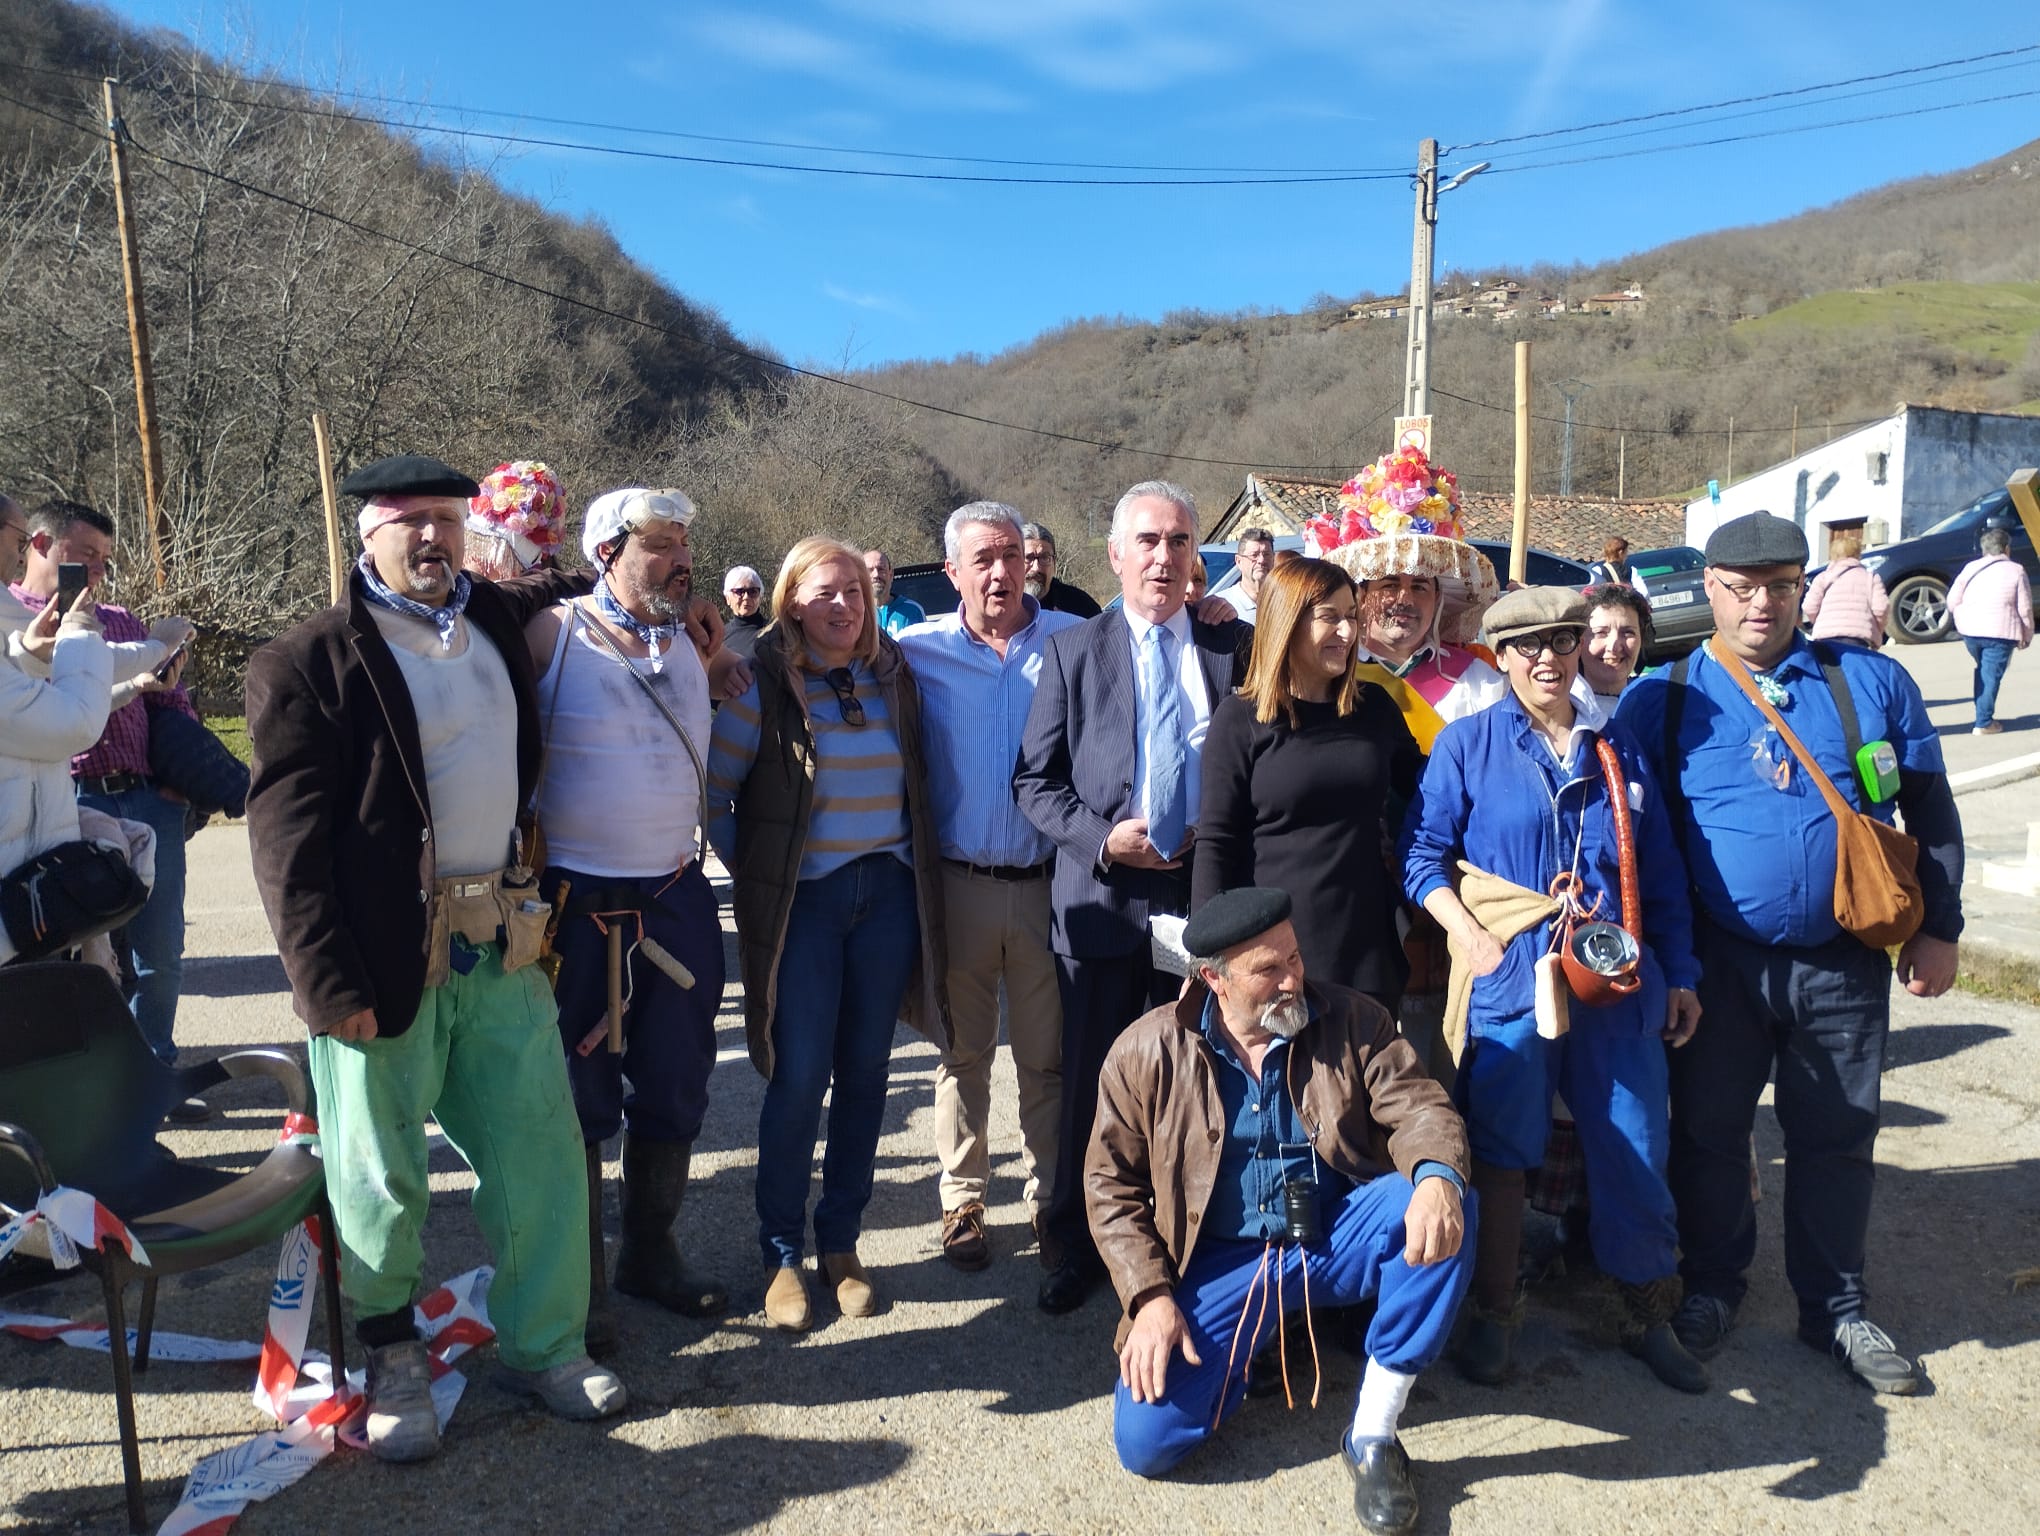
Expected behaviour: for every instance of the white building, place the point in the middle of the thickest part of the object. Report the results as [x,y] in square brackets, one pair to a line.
[1903,474]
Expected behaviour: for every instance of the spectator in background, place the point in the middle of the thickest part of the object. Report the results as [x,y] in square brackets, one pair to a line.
[838,905]
[1255,554]
[114,776]
[1618,627]
[1847,601]
[1038,545]
[1297,773]
[515,521]
[1992,605]
[1613,566]
[743,589]
[894,613]
[1200,582]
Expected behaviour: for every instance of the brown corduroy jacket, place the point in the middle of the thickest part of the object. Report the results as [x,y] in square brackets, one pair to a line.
[1368,1104]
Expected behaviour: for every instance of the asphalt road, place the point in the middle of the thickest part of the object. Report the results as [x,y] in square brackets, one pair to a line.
[964,1409]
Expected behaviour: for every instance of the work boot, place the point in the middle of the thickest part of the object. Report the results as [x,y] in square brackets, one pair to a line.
[648,1263]
[574,1389]
[1647,1333]
[1483,1351]
[401,1423]
[600,1333]
[1494,1301]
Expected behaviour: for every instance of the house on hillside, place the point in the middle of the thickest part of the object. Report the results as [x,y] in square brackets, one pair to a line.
[1625,301]
[1903,473]
[1573,526]
[1379,309]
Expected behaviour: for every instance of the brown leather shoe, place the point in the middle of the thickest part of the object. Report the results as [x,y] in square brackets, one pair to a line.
[963,1237]
[855,1295]
[786,1300]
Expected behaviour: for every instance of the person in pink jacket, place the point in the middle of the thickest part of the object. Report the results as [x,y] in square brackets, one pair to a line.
[1846,601]
[1992,605]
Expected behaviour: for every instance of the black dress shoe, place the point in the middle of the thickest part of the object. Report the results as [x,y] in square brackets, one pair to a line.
[1384,1494]
[1065,1288]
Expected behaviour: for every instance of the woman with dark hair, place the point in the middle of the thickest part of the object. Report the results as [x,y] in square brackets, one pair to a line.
[819,807]
[1618,628]
[1613,566]
[1298,767]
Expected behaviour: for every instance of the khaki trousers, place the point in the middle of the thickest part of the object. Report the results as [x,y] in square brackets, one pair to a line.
[998,930]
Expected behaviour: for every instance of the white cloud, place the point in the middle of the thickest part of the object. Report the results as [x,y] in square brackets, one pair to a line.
[884,303]
[1564,37]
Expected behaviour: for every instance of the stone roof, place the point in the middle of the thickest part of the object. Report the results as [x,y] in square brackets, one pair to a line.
[1574,526]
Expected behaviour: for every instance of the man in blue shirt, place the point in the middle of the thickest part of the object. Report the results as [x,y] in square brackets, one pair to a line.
[1782,984]
[894,613]
[1260,1146]
[976,669]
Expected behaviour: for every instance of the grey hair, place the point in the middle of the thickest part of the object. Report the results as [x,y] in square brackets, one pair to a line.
[1160,490]
[737,573]
[1995,541]
[1257,535]
[989,514]
[1209,963]
[1038,531]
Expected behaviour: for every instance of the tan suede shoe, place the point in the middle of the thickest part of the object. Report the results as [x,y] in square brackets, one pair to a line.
[786,1300]
[855,1296]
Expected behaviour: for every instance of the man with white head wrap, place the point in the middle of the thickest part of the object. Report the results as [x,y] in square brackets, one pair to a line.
[625,701]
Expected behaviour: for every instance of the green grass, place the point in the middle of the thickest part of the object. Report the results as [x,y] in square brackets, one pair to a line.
[233,730]
[1990,971]
[1983,319]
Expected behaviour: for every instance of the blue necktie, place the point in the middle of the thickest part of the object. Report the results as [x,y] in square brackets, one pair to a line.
[1167,807]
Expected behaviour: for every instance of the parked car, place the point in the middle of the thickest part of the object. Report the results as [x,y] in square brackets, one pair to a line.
[927,583]
[1917,572]
[1674,582]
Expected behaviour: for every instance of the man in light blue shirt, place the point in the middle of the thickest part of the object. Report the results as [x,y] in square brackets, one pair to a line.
[976,669]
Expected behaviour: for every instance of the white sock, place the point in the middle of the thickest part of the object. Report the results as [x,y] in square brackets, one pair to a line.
[1382,1395]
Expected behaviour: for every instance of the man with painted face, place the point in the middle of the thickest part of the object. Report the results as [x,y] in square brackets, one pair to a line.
[625,701]
[1110,768]
[1785,987]
[402,725]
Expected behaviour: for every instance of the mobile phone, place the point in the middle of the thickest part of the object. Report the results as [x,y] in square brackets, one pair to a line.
[72,579]
[170,661]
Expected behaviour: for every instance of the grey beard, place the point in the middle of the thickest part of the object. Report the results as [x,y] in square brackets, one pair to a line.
[1285,1017]
[1037,587]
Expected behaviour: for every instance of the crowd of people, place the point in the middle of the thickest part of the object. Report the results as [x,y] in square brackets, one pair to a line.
[1324,919]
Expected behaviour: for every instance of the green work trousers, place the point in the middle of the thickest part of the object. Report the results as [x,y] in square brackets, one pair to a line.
[483,1059]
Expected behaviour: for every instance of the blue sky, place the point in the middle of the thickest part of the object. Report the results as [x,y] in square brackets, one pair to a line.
[831,269]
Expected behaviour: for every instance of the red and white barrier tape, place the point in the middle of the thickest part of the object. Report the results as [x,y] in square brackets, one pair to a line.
[71,1219]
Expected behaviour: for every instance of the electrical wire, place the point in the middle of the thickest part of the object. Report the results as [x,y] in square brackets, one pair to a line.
[1594,426]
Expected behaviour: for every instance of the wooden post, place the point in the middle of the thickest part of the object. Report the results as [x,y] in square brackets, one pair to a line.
[1519,536]
[2025,488]
[1729,478]
[336,558]
[1795,433]
[138,339]
[1622,467]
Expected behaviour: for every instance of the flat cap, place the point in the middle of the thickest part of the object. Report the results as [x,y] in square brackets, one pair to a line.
[408,474]
[1233,917]
[1529,609]
[1757,539]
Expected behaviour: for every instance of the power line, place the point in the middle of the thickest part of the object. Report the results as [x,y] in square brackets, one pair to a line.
[1738,101]
[1594,426]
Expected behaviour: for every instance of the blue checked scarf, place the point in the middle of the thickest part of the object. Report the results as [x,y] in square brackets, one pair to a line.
[443,618]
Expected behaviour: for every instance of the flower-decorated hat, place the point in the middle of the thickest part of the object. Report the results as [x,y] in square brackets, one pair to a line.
[523,504]
[1400,517]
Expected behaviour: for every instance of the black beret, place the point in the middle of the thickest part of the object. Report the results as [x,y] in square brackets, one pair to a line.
[1757,539]
[408,474]
[1233,917]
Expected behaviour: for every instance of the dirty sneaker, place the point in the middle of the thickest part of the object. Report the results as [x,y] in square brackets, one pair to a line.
[574,1389]
[402,1424]
[1866,1352]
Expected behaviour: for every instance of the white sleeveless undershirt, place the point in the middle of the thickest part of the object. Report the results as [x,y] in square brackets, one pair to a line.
[467,730]
[620,796]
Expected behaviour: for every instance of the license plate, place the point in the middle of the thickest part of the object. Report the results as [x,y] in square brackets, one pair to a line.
[1670,600]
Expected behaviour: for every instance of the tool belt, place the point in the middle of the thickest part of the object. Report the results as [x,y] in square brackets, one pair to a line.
[503,908]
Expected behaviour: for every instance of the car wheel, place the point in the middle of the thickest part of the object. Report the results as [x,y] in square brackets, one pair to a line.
[1919,610]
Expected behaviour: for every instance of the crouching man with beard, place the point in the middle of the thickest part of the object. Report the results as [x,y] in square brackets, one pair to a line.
[1262,1146]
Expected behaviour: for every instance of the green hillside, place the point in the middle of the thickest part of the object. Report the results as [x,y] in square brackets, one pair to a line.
[1981,320]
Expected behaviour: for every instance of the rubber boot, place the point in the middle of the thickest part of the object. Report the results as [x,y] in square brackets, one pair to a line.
[1647,1333]
[600,1334]
[1497,1308]
[648,1263]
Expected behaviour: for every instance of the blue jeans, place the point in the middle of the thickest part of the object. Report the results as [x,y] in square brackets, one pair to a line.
[155,935]
[1991,658]
[851,942]
[1361,1256]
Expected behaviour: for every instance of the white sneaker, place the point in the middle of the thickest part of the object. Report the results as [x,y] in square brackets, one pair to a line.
[575,1389]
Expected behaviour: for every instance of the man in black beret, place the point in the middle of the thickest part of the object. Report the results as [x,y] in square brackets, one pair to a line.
[1784,987]
[396,738]
[1260,1144]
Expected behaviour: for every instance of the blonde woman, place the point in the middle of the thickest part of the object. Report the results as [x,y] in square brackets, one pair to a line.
[819,807]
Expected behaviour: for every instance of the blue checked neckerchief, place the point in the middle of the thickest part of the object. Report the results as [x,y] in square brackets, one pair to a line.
[654,636]
[443,618]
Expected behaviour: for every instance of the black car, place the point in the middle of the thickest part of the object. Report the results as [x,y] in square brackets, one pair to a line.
[925,582]
[1918,572]
[1673,580]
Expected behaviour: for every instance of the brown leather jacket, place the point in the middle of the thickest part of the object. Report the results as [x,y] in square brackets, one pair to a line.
[1365,1099]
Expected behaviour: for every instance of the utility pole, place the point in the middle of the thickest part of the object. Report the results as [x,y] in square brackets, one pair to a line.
[1519,531]
[1729,478]
[1622,467]
[138,337]
[1572,389]
[1423,258]
[1795,433]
